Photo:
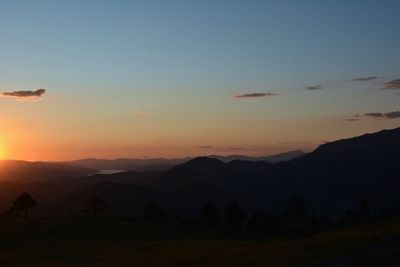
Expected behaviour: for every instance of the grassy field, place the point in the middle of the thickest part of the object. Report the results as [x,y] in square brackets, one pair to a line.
[110,242]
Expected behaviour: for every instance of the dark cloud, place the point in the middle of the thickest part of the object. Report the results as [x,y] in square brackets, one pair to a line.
[353,118]
[254,95]
[36,93]
[392,85]
[387,115]
[392,115]
[365,79]
[314,87]
[374,114]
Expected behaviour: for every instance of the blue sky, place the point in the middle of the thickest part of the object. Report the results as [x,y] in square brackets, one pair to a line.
[181,63]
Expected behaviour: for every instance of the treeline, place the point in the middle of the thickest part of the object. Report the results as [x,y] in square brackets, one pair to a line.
[233,217]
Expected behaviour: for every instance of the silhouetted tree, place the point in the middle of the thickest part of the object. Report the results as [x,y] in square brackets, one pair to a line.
[153,213]
[22,205]
[296,211]
[96,206]
[235,216]
[210,215]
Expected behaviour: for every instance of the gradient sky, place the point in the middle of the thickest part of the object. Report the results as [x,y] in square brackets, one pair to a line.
[161,78]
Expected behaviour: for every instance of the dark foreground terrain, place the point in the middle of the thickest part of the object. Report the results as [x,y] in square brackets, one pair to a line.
[85,241]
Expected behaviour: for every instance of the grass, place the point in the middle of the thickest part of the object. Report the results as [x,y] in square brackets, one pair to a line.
[109,242]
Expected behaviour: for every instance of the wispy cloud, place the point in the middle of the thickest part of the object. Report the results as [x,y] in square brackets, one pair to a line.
[392,85]
[392,115]
[314,87]
[380,115]
[365,79]
[255,95]
[374,115]
[25,95]
[353,118]
[143,113]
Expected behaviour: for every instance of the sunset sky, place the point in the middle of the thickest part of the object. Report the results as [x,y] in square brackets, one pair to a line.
[183,78]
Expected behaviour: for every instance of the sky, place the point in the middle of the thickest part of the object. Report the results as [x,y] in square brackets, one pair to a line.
[150,78]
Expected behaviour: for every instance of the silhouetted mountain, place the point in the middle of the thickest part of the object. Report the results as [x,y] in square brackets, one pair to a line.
[340,173]
[129,177]
[384,144]
[286,156]
[206,179]
[332,178]
[33,171]
[161,164]
[158,164]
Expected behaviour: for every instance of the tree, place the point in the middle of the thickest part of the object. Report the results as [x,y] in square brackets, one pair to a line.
[210,215]
[153,213]
[22,205]
[235,216]
[96,206]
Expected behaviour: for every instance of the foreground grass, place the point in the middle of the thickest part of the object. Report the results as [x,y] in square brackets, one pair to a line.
[109,242]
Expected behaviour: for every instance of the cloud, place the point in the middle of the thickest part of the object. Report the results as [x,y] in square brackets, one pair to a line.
[353,118]
[25,94]
[392,85]
[254,95]
[365,79]
[392,115]
[143,113]
[374,115]
[387,115]
[314,87]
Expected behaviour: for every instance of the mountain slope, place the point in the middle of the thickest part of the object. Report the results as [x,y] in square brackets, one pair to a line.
[161,164]
[331,179]
[32,171]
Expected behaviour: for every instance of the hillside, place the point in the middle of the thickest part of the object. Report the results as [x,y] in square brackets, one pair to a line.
[34,171]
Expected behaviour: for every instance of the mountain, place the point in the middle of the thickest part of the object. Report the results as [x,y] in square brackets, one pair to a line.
[331,179]
[161,164]
[341,173]
[33,171]
[286,156]
[158,164]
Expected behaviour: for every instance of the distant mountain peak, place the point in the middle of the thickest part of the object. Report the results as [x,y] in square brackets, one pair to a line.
[203,161]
